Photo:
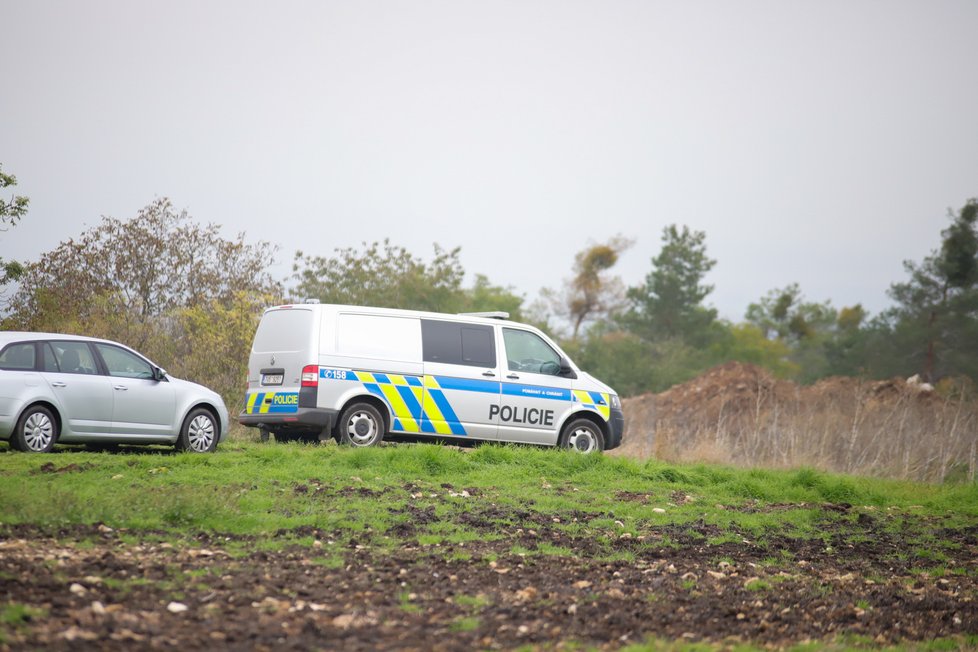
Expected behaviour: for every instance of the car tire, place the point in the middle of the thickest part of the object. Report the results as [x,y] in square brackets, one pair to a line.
[583,436]
[361,425]
[199,432]
[36,431]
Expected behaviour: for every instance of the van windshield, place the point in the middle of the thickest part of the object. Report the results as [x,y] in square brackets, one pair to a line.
[283,330]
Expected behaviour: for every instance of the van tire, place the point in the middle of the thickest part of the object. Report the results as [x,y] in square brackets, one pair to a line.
[360,425]
[583,436]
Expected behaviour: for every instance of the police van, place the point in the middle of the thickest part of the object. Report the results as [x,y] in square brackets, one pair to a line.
[357,374]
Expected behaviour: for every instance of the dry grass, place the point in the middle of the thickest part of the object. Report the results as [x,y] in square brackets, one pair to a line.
[737,414]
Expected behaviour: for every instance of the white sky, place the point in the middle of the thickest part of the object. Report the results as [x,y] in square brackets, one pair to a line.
[820,142]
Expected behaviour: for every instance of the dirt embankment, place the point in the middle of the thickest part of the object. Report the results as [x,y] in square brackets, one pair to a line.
[741,414]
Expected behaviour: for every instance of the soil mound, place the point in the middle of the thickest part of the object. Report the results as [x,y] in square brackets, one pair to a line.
[740,413]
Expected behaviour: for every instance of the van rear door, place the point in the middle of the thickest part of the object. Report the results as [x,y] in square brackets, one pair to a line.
[284,343]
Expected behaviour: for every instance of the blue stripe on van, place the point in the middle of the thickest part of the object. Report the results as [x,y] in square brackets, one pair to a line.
[446,411]
[410,400]
[536,391]
[468,384]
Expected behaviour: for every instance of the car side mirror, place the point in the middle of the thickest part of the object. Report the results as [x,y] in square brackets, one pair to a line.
[565,369]
[159,374]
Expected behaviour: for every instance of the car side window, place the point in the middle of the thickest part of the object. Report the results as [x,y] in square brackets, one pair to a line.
[123,363]
[20,356]
[74,358]
[526,351]
[48,360]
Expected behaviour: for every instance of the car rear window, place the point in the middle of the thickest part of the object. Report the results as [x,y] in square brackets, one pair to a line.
[18,356]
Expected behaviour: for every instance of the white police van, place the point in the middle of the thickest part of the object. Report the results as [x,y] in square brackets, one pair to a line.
[357,373]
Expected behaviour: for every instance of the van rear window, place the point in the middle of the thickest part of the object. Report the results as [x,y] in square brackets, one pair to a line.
[283,330]
[457,343]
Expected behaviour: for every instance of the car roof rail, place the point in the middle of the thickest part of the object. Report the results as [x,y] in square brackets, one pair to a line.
[495,314]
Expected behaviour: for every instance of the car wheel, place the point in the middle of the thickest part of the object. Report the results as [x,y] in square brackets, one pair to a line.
[36,431]
[199,432]
[361,425]
[583,436]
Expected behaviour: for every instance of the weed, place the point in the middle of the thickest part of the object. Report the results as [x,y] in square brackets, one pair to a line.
[15,614]
[465,624]
[472,601]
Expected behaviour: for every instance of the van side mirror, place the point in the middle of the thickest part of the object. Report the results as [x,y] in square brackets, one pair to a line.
[565,369]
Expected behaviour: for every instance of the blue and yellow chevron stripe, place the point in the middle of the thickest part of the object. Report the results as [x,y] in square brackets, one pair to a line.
[272,402]
[416,410]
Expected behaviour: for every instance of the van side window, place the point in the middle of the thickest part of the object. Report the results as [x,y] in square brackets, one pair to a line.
[457,343]
[380,337]
[526,351]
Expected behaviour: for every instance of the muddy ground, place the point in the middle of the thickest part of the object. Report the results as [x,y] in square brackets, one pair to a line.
[98,588]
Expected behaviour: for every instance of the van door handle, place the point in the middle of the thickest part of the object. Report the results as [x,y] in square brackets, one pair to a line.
[489,374]
[58,383]
[513,377]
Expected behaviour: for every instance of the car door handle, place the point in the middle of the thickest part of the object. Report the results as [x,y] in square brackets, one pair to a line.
[513,377]
[489,374]
[58,383]
[121,388]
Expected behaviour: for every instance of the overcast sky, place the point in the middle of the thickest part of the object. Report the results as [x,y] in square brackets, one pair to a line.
[815,142]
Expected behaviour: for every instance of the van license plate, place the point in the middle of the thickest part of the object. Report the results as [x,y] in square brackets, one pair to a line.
[271,379]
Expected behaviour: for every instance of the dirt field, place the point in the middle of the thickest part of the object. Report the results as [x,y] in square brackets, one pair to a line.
[102,589]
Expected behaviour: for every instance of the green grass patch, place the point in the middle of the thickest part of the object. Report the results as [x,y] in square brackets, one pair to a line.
[380,497]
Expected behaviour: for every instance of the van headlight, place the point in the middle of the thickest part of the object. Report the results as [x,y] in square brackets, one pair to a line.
[615,401]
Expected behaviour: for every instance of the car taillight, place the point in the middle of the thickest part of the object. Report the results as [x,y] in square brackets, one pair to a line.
[310,375]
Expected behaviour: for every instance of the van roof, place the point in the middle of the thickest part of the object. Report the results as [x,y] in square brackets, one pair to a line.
[493,317]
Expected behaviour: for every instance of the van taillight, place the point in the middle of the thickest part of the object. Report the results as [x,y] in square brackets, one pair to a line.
[310,375]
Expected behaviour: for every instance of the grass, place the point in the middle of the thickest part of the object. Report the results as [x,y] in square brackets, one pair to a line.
[248,488]
[541,502]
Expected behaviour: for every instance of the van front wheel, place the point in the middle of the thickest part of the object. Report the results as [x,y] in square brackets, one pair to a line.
[361,425]
[583,436]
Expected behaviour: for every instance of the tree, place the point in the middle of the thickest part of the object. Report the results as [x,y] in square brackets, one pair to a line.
[389,276]
[592,293]
[11,213]
[382,275]
[937,308]
[148,282]
[783,314]
[669,305]
[818,339]
[483,296]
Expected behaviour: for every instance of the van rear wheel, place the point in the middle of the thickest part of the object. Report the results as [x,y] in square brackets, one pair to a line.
[361,425]
[583,436]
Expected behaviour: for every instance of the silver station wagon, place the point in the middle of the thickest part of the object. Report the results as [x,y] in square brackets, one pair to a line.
[71,389]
